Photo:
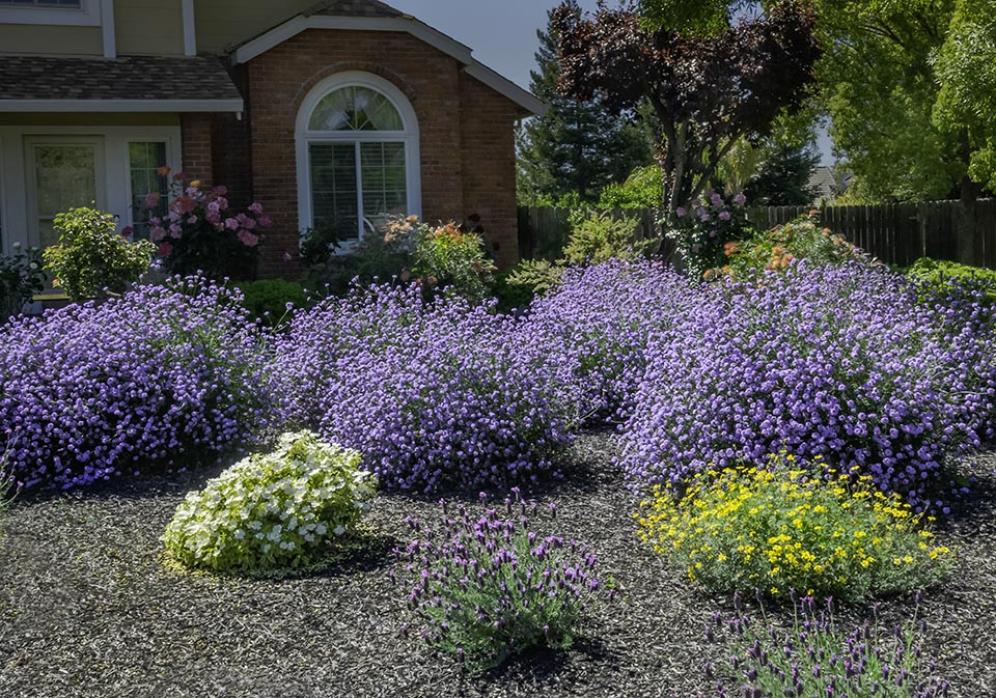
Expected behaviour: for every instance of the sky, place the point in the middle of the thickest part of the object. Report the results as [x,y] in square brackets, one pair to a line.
[502,33]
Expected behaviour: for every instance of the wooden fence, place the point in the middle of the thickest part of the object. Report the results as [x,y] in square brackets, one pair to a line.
[897,234]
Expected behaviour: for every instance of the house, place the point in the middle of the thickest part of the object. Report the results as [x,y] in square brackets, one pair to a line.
[333,113]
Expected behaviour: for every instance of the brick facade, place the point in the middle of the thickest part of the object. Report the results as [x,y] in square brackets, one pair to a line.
[196,134]
[466,134]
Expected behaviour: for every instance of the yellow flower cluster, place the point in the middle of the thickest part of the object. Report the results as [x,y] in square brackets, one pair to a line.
[784,527]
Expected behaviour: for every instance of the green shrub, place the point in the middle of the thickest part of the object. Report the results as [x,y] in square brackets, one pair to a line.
[596,237]
[785,528]
[599,236]
[449,257]
[644,188]
[21,277]
[939,276]
[92,255]
[283,509]
[273,300]
[775,249]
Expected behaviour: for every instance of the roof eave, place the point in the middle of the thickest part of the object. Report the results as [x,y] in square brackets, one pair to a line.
[122,105]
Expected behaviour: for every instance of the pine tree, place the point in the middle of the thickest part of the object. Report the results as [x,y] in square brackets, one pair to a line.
[577,148]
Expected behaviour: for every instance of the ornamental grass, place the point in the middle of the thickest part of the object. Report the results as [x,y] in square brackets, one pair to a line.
[784,528]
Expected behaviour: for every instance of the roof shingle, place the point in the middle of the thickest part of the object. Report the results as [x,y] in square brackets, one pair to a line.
[355,8]
[128,77]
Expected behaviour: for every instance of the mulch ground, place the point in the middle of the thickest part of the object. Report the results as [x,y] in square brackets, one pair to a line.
[86,608]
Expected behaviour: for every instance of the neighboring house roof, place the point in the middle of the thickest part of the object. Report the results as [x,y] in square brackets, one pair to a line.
[372,15]
[132,83]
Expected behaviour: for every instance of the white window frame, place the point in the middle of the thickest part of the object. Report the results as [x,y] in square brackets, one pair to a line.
[172,161]
[88,14]
[305,137]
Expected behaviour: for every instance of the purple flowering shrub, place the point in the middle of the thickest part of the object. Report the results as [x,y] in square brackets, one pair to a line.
[815,657]
[596,325]
[487,587]
[163,375]
[433,394]
[840,363]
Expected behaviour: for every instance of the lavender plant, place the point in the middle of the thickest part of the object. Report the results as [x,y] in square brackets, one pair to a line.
[433,394]
[166,374]
[487,587]
[596,327]
[814,657]
[840,363]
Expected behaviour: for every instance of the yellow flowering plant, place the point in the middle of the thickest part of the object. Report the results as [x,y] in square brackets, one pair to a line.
[784,527]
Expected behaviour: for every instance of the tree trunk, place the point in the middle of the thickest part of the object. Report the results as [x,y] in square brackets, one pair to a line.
[967,239]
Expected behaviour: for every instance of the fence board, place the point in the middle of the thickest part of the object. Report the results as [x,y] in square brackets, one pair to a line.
[898,234]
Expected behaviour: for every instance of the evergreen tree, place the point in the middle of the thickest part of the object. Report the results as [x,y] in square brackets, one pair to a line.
[577,147]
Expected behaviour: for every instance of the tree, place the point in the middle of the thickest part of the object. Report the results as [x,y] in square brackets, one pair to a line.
[706,91]
[578,146]
[783,178]
[909,87]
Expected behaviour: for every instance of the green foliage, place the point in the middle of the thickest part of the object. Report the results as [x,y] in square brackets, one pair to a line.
[534,277]
[272,300]
[92,256]
[909,87]
[782,178]
[691,17]
[775,249]
[644,188]
[966,71]
[940,276]
[284,509]
[576,147]
[21,277]
[318,245]
[452,259]
[785,528]
[598,236]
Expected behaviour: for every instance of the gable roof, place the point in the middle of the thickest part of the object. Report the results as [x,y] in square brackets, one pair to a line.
[126,83]
[373,15]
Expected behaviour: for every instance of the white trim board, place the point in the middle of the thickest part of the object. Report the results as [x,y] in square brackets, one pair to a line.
[451,47]
[189,28]
[121,105]
[86,15]
[107,29]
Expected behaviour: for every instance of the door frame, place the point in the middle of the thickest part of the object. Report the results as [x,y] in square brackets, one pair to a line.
[31,181]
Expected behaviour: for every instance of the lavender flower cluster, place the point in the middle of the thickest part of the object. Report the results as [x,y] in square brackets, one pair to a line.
[162,374]
[816,658]
[841,363]
[487,587]
[433,394]
[596,326]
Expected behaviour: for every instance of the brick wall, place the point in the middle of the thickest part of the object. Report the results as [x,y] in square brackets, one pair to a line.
[466,132]
[196,132]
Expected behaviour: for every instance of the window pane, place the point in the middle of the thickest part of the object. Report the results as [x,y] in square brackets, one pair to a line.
[144,161]
[333,188]
[384,185]
[355,109]
[65,177]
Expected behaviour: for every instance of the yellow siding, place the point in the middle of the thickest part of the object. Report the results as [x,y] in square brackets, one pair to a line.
[149,27]
[222,24]
[79,119]
[51,39]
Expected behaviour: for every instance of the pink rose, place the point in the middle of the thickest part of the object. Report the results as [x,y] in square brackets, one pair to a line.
[152,199]
[165,249]
[716,199]
[265,221]
[725,216]
[740,199]
[158,234]
[127,232]
[220,190]
[176,231]
[193,220]
[681,212]
[232,223]
[256,208]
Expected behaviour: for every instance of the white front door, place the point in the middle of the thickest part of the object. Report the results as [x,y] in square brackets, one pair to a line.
[63,172]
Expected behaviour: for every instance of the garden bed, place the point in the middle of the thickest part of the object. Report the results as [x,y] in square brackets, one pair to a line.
[87,608]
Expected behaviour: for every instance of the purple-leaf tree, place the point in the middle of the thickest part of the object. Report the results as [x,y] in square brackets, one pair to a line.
[706,90]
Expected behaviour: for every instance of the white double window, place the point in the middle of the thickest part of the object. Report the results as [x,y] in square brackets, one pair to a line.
[358,156]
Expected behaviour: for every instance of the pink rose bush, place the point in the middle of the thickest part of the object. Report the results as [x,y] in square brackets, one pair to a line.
[202,233]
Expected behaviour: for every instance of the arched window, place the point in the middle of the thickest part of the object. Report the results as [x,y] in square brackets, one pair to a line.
[357,155]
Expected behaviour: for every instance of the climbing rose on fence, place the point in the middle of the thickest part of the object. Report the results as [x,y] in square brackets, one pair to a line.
[842,363]
[596,327]
[165,374]
[440,393]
